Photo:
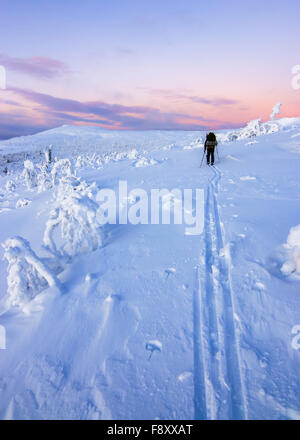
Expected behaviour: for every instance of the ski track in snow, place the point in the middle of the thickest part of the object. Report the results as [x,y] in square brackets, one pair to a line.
[216,347]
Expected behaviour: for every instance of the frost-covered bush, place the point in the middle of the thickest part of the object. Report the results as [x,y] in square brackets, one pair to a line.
[292,250]
[72,228]
[10,186]
[97,161]
[22,202]
[132,154]
[48,155]
[275,111]
[81,161]
[44,178]
[27,273]
[29,174]
[254,128]
[79,230]
[144,162]
[62,167]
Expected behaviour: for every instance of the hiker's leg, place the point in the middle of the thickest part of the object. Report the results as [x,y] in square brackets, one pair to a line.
[207,156]
[212,159]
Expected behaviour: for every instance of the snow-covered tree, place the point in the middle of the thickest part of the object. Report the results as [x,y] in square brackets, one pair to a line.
[292,249]
[44,178]
[252,129]
[62,167]
[72,228]
[27,273]
[48,155]
[29,174]
[275,111]
[10,186]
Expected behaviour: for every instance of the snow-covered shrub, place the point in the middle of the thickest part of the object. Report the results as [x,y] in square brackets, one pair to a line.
[29,174]
[48,155]
[79,230]
[27,273]
[132,154]
[72,228]
[10,186]
[44,178]
[269,127]
[22,202]
[62,167]
[144,162]
[68,185]
[275,111]
[254,128]
[292,250]
[81,161]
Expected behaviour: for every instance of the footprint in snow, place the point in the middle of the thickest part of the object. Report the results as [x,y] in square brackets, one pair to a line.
[259,286]
[152,346]
[184,376]
[170,270]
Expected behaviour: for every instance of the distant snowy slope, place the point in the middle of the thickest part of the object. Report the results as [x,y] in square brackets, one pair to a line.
[76,140]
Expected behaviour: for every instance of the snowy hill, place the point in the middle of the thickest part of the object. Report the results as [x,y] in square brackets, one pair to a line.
[145,321]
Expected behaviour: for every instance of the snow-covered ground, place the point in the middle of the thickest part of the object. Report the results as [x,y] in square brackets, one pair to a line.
[145,321]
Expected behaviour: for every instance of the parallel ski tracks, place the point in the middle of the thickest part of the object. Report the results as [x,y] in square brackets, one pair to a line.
[218,386]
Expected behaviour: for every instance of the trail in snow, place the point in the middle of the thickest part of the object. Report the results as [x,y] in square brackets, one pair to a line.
[129,334]
[217,357]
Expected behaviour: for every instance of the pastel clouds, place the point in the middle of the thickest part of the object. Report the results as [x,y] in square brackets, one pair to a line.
[37,66]
[26,108]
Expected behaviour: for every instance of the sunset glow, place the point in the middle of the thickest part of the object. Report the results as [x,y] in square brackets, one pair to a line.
[138,65]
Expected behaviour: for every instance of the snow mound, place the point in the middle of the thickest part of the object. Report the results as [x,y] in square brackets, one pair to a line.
[245,178]
[144,162]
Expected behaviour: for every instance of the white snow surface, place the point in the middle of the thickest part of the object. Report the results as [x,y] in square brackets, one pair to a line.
[143,321]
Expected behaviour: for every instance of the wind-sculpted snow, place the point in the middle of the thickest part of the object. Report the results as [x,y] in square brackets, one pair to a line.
[118,321]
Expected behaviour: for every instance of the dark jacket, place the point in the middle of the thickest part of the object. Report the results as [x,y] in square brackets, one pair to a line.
[210,145]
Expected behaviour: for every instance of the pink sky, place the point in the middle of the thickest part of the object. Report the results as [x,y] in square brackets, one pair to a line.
[139,66]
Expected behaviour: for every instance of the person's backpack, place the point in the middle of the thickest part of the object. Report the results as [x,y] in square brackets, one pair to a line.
[211,137]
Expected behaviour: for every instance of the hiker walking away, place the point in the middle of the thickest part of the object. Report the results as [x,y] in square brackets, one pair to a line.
[209,147]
